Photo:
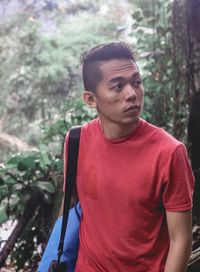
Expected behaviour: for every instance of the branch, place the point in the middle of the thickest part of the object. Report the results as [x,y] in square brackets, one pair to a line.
[29,211]
[194,261]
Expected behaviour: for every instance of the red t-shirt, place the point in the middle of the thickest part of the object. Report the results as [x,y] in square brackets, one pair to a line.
[124,187]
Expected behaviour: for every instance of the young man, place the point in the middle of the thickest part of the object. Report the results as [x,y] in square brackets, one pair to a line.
[134,180]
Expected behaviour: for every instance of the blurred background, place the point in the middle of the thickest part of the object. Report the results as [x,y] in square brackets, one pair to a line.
[40,99]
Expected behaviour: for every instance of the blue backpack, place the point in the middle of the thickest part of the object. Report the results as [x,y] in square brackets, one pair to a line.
[71,242]
[61,252]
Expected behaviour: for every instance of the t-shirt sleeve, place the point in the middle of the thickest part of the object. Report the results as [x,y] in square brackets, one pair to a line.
[65,156]
[179,184]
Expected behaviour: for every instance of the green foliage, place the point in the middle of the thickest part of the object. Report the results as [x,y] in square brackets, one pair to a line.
[73,112]
[160,43]
[22,175]
[41,86]
[3,215]
[38,171]
[40,69]
[39,72]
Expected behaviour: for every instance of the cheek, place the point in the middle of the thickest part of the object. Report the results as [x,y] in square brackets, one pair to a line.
[113,102]
[141,94]
[115,99]
[109,101]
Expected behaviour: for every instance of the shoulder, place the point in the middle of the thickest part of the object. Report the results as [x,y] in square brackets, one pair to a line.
[92,124]
[161,138]
[90,128]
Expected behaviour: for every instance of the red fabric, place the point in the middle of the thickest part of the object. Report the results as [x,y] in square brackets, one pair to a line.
[124,187]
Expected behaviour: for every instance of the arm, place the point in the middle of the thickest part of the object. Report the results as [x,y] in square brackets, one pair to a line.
[180,234]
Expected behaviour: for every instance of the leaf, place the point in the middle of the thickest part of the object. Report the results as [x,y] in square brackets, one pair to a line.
[3,214]
[1,181]
[10,181]
[45,186]
[13,162]
[3,191]
[44,157]
[27,163]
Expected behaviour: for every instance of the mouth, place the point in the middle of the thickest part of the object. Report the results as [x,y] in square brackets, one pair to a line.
[133,108]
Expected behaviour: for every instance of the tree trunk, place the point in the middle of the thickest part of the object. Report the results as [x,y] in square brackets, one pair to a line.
[193,69]
[179,81]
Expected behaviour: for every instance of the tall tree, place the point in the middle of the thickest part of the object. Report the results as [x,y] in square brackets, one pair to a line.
[193,68]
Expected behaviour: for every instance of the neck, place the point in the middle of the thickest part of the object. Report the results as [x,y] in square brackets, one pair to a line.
[116,131]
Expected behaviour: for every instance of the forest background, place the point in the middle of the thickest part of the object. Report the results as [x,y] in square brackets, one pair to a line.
[40,99]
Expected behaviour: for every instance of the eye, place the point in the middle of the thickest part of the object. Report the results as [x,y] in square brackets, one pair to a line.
[117,87]
[137,83]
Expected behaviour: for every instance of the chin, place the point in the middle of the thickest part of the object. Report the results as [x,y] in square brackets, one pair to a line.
[131,121]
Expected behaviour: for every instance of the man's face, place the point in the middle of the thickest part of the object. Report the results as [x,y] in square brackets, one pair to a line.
[119,95]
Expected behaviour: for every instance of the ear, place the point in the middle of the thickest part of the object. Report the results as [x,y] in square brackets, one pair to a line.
[90,99]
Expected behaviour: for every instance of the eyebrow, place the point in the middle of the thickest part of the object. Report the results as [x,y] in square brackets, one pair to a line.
[112,80]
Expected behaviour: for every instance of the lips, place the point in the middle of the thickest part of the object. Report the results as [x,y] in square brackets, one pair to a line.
[133,108]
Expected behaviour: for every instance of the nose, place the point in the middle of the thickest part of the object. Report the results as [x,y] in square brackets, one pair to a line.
[130,94]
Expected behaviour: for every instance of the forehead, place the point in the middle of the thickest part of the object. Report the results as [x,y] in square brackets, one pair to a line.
[118,68]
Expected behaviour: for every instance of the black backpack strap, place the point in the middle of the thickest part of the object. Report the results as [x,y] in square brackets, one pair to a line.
[70,180]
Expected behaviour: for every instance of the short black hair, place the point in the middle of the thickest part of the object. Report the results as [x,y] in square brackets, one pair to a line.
[92,59]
